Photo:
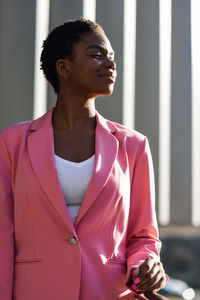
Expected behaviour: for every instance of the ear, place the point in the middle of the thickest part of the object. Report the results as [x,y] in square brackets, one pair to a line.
[62,68]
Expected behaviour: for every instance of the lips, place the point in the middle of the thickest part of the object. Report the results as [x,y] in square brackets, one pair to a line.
[109,75]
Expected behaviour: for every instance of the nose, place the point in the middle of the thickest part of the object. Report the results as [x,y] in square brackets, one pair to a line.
[110,63]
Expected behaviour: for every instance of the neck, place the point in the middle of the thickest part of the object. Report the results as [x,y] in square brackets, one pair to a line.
[74,114]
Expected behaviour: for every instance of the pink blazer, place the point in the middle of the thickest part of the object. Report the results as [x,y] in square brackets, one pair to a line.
[43,255]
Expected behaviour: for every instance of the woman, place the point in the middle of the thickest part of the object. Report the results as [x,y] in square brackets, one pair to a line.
[77,217]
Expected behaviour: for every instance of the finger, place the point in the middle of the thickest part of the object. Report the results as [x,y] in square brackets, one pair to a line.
[151,277]
[147,270]
[134,279]
[134,273]
[159,285]
[146,267]
[154,284]
[142,270]
[138,274]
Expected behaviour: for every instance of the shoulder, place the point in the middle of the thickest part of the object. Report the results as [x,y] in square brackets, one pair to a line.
[131,135]
[133,142]
[16,130]
[11,139]
[129,132]
[22,129]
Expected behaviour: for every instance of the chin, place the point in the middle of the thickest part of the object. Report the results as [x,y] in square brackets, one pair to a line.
[106,92]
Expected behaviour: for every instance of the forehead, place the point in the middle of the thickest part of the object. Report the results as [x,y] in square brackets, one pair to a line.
[90,40]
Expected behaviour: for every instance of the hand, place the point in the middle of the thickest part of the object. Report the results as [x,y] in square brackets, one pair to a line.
[148,277]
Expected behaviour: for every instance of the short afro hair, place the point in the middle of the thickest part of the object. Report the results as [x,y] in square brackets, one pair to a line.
[59,44]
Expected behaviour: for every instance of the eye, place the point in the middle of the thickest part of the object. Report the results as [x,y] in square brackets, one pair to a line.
[97,55]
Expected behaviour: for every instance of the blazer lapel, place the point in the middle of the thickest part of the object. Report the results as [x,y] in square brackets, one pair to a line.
[41,151]
[106,148]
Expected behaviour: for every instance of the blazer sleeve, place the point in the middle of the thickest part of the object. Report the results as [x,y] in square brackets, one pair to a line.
[142,235]
[6,224]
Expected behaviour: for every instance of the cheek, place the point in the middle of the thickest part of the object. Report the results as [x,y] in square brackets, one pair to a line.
[91,65]
[88,72]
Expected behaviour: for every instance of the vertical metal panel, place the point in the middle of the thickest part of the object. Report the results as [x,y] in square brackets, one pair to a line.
[164,111]
[89,9]
[40,84]
[195,38]
[129,63]
[181,113]
[110,15]
[17,20]
[147,74]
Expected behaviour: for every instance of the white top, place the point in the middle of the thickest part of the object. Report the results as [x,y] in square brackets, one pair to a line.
[74,180]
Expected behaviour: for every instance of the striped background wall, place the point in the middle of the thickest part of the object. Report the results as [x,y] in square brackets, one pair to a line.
[157,47]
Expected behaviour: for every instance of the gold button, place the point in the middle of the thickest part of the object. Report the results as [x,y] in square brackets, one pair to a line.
[72,240]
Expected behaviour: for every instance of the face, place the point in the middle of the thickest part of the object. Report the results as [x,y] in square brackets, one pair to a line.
[92,70]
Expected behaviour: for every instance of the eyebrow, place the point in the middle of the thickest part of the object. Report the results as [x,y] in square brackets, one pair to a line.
[99,47]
